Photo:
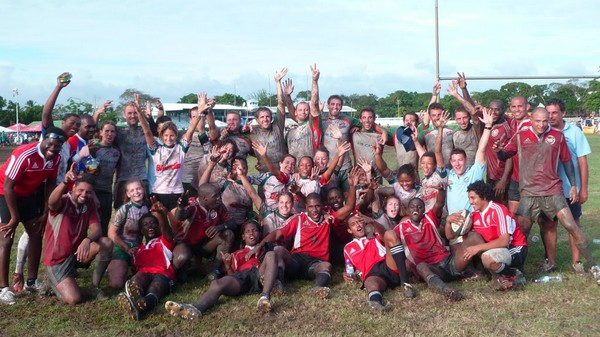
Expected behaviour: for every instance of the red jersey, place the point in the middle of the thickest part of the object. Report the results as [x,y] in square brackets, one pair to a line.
[364,253]
[155,257]
[502,132]
[540,158]
[66,228]
[516,127]
[311,238]
[199,219]
[496,220]
[424,243]
[28,168]
[239,262]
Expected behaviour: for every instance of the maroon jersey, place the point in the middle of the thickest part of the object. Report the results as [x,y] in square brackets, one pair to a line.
[66,228]
[364,253]
[516,127]
[495,166]
[422,243]
[155,257]
[540,158]
[310,237]
[496,220]
[194,228]
[28,168]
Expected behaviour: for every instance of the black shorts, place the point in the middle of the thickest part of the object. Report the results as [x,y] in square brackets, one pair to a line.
[29,207]
[301,266]
[518,256]
[249,280]
[513,191]
[382,270]
[448,269]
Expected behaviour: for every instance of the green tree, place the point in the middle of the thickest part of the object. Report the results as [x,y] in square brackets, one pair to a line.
[303,95]
[513,89]
[592,100]
[189,98]
[228,98]
[264,98]
[484,98]
[76,106]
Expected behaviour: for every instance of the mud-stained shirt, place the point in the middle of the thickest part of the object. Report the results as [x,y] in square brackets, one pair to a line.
[273,138]
[345,124]
[132,143]
[466,140]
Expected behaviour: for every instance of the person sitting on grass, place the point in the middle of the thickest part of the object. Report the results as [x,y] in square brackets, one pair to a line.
[155,273]
[256,274]
[74,238]
[202,228]
[424,248]
[379,261]
[495,237]
[309,256]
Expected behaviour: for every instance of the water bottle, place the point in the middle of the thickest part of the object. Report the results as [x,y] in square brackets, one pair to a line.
[549,279]
[349,268]
[66,78]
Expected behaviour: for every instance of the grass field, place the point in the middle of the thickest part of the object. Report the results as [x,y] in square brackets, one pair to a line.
[569,308]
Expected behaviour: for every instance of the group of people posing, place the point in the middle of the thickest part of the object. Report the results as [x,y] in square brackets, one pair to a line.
[153,207]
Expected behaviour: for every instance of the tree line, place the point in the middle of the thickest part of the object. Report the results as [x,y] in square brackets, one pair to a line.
[580,97]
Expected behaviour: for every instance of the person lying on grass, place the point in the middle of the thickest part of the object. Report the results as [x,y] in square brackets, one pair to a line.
[259,273]
[155,273]
[379,260]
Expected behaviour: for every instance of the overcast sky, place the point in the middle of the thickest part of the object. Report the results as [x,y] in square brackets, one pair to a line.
[171,48]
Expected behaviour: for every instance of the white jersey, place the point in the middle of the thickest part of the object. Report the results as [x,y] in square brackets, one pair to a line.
[168,167]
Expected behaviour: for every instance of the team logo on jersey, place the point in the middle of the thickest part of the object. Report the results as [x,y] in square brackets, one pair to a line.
[212,214]
[49,164]
[550,140]
[495,133]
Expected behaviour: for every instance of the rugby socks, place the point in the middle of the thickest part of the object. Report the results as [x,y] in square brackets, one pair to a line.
[22,253]
[151,301]
[375,296]
[101,265]
[436,283]
[400,259]
[322,278]
[505,270]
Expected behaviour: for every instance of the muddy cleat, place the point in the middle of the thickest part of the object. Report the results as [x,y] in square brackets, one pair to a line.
[184,311]
[278,289]
[504,282]
[578,269]
[453,295]
[264,304]
[547,267]
[99,294]
[7,296]
[321,292]
[35,286]
[134,291]
[126,304]
[519,279]
[595,270]
[376,305]
[408,290]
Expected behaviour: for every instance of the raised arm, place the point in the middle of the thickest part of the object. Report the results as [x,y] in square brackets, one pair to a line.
[261,150]
[435,94]
[202,107]
[438,140]
[341,150]
[314,91]
[159,106]
[161,213]
[288,89]
[213,159]
[256,200]
[487,121]
[380,162]
[51,101]
[100,110]
[150,141]
[462,84]
[280,104]
[343,212]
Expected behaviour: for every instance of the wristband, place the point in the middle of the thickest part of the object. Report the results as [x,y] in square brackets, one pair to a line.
[487,127]
[90,239]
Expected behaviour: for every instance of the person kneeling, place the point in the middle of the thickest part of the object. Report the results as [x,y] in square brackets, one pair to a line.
[67,243]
